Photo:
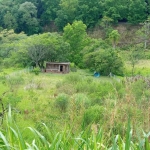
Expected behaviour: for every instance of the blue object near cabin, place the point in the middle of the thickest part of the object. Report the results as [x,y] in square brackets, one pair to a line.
[96,74]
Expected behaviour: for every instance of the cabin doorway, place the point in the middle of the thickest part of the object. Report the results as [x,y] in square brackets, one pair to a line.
[61,68]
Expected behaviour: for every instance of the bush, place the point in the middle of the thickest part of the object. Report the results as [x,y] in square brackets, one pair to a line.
[138,88]
[73,78]
[105,61]
[93,115]
[62,101]
[73,67]
[14,80]
[81,100]
[36,71]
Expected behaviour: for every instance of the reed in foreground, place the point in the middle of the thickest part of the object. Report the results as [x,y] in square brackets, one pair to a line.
[12,138]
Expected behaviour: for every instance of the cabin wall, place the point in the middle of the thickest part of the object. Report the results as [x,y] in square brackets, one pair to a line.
[57,68]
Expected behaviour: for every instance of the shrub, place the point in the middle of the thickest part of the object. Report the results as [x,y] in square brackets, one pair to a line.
[14,80]
[73,78]
[62,101]
[104,61]
[138,88]
[93,115]
[36,71]
[73,67]
[65,88]
[81,100]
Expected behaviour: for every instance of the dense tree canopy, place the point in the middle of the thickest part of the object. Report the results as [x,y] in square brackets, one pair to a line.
[23,50]
[31,15]
[104,61]
[76,36]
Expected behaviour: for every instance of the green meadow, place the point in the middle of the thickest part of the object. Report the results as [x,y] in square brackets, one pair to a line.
[75,110]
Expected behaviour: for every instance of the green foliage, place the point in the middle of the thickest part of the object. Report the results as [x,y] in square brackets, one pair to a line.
[10,21]
[114,37]
[66,13]
[76,36]
[89,12]
[34,16]
[93,114]
[27,19]
[113,11]
[137,11]
[73,78]
[104,61]
[81,101]
[61,102]
[14,80]
[73,67]
[36,70]
[49,10]
[36,49]
[142,89]
[134,57]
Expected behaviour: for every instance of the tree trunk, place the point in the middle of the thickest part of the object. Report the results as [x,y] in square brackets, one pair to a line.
[37,65]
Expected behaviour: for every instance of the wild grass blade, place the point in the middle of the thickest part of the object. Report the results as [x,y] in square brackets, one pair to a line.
[128,136]
[6,143]
[41,139]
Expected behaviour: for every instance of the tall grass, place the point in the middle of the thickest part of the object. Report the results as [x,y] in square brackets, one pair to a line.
[92,138]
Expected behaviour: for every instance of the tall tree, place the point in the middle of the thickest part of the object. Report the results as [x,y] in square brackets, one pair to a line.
[8,40]
[104,61]
[9,21]
[137,11]
[39,48]
[76,36]
[89,12]
[49,10]
[114,37]
[116,10]
[28,18]
[8,14]
[144,32]
[66,13]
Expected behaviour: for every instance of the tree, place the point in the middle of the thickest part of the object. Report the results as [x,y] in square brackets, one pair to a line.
[134,57]
[10,21]
[137,11]
[8,14]
[28,18]
[104,61]
[39,48]
[116,10]
[89,12]
[144,32]
[106,24]
[114,37]
[49,10]
[76,36]
[66,13]
[8,42]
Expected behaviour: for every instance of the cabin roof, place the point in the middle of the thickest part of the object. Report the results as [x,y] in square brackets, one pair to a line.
[58,63]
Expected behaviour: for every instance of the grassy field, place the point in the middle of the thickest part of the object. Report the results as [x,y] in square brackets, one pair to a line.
[77,107]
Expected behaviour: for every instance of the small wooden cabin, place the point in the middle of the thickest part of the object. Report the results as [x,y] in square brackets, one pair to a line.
[57,67]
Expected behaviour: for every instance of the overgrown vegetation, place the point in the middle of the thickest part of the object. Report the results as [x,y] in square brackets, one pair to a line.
[89,139]
[79,110]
